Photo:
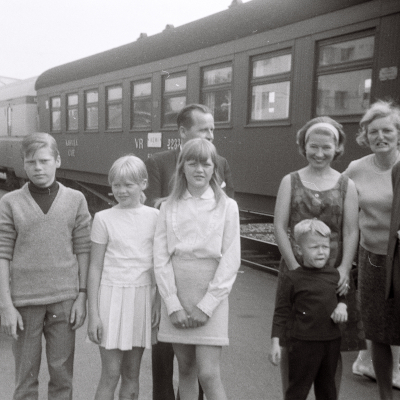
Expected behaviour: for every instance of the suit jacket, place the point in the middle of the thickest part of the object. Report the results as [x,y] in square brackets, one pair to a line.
[392,260]
[161,168]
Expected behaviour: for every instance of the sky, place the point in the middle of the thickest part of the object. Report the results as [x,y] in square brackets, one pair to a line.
[36,35]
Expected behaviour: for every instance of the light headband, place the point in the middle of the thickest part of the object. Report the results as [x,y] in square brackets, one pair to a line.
[323,125]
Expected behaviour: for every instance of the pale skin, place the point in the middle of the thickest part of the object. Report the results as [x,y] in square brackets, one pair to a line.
[115,363]
[318,175]
[40,168]
[323,178]
[202,127]
[196,361]
[275,353]
[315,254]
[383,138]
[11,319]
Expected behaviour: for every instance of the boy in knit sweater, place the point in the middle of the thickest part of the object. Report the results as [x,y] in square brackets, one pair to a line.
[307,309]
[44,256]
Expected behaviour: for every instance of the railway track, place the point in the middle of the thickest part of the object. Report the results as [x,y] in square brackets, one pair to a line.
[257,242]
[259,249]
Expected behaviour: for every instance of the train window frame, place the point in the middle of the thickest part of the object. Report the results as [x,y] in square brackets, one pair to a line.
[91,104]
[141,99]
[217,87]
[271,79]
[112,103]
[72,108]
[55,109]
[345,67]
[172,94]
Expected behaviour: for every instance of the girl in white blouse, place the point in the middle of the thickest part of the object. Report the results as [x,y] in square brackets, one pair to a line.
[196,259]
[122,306]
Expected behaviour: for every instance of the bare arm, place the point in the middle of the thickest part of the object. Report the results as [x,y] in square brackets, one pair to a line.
[350,236]
[10,317]
[281,223]
[95,270]
[78,311]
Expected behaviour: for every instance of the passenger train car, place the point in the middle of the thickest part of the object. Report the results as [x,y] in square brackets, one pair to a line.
[18,116]
[264,67]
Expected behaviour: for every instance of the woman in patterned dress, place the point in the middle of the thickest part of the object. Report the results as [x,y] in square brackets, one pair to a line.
[319,191]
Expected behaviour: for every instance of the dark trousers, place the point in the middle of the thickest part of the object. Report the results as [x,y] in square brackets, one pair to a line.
[162,358]
[312,362]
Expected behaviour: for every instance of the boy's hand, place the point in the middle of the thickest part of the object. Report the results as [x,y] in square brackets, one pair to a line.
[11,320]
[340,313]
[274,355]
[78,311]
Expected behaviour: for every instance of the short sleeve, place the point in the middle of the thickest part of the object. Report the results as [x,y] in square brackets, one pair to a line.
[99,233]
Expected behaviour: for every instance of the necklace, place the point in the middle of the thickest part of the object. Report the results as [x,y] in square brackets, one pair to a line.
[379,169]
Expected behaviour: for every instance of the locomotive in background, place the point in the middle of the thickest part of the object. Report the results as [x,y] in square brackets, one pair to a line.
[263,67]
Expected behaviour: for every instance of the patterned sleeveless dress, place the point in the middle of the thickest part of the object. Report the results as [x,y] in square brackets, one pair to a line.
[327,206]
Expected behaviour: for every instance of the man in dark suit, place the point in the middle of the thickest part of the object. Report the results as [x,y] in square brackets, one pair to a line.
[194,121]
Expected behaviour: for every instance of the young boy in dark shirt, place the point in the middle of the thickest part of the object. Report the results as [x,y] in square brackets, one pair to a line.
[308,304]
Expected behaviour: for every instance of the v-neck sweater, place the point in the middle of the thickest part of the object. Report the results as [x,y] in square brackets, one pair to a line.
[44,197]
[42,247]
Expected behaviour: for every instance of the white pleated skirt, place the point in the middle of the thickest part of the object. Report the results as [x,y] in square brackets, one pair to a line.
[125,313]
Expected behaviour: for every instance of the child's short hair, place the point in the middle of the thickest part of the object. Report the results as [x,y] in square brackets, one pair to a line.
[33,142]
[310,226]
[128,167]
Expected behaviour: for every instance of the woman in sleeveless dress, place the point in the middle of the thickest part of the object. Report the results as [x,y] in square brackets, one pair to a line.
[372,175]
[319,191]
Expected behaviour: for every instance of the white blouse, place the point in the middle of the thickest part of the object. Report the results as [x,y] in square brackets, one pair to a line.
[194,228]
[128,234]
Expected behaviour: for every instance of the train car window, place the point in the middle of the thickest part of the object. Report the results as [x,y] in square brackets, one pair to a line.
[55,114]
[344,76]
[352,50]
[114,107]
[72,112]
[174,98]
[216,91]
[141,105]
[92,110]
[272,66]
[270,87]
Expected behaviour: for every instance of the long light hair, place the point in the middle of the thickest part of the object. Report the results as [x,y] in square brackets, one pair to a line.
[199,150]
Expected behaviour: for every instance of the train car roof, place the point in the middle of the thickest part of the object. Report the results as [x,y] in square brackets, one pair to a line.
[17,89]
[237,22]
